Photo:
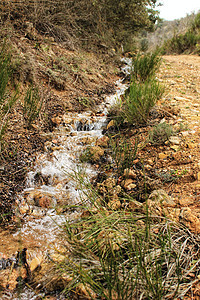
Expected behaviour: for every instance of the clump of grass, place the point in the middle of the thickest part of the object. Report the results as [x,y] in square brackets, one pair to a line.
[141,99]
[160,133]
[145,66]
[32,105]
[112,257]
[124,152]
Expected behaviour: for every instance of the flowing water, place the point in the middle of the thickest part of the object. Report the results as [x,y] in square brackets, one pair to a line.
[51,193]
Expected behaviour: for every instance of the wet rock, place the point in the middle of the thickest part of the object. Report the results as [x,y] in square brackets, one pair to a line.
[38,198]
[96,153]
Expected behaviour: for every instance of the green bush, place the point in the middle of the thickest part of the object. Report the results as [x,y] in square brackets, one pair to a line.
[32,105]
[184,42]
[145,66]
[138,104]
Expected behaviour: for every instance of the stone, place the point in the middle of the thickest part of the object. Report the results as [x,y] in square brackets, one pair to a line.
[162,156]
[103,141]
[160,203]
[127,182]
[186,201]
[114,204]
[111,124]
[35,263]
[174,140]
[135,205]
[175,147]
[129,174]
[160,196]
[85,291]
[96,153]
[38,198]
[56,120]
[190,220]
[198,176]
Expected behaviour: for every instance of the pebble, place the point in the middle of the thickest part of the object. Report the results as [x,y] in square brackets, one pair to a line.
[175,140]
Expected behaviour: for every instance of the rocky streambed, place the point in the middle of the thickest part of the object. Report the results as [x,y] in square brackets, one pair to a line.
[51,195]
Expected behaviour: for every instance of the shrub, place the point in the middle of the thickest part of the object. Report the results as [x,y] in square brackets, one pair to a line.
[145,66]
[160,133]
[142,97]
[32,105]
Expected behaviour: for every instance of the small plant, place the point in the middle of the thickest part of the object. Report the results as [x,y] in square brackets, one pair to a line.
[123,152]
[141,99]
[145,66]
[160,133]
[32,105]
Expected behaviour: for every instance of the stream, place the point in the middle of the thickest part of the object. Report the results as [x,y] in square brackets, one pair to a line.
[51,193]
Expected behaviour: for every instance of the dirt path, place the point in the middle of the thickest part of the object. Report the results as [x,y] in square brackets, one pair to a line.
[181,75]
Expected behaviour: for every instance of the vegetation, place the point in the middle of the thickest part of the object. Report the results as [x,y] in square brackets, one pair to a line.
[145,66]
[186,42]
[160,133]
[111,257]
[8,95]
[141,99]
[123,152]
[89,21]
[32,105]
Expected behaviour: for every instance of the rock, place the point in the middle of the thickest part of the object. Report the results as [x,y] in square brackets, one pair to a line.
[129,174]
[38,198]
[103,141]
[126,184]
[114,204]
[190,220]
[175,140]
[162,156]
[35,263]
[96,153]
[111,124]
[67,120]
[24,208]
[186,201]
[85,291]
[198,176]
[159,203]
[174,147]
[162,197]
[135,205]
[56,120]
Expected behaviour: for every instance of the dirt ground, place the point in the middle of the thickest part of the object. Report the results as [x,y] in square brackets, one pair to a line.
[181,76]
